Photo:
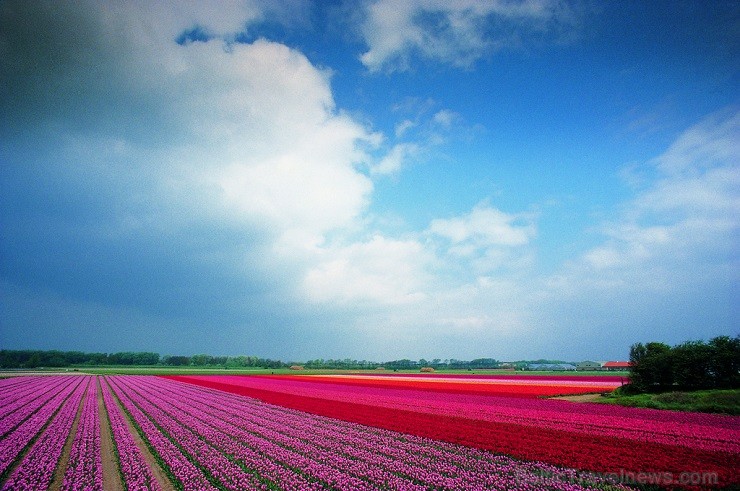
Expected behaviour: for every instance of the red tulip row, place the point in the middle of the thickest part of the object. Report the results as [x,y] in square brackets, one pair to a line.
[493,386]
[695,430]
[584,436]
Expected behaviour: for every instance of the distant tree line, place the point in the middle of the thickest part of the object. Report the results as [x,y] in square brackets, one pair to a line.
[692,365]
[57,359]
[404,364]
[62,359]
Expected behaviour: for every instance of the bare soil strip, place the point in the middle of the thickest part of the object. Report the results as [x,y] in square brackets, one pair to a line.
[58,479]
[580,398]
[164,482]
[111,475]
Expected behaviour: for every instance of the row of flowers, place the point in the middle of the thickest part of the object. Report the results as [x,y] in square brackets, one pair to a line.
[36,469]
[695,430]
[239,443]
[529,388]
[585,436]
[85,467]
[135,472]
[30,413]
[213,439]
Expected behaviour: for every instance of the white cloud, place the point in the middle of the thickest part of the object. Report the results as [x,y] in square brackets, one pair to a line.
[445,118]
[711,143]
[398,156]
[682,226]
[241,142]
[485,226]
[219,181]
[382,271]
[403,127]
[457,32]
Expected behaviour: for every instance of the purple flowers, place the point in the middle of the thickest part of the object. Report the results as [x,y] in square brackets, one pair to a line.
[85,468]
[239,443]
[208,439]
[134,470]
[36,469]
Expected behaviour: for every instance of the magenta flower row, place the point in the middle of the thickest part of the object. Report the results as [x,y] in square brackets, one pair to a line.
[85,467]
[135,472]
[25,392]
[36,469]
[171,457]
[18,433]
[239,443]
[694,430]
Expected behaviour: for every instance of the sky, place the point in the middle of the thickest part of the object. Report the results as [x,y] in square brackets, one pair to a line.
[369,179]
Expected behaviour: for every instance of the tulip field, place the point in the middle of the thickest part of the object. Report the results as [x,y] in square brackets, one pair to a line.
[348,432]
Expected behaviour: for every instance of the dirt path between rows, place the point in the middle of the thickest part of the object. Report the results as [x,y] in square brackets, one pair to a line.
[580,398]
[111,476]
[164,482]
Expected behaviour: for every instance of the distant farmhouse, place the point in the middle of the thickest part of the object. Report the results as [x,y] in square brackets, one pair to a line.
[588,365]
[616,365]
[608,366]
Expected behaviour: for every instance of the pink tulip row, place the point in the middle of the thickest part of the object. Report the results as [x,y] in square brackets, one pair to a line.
[135,472]
[27,402]
[19,436]
[16,395]
[177,465]
[405,457]
[211,462]
[85,467]
[262,445]
[694,430]
[36,469]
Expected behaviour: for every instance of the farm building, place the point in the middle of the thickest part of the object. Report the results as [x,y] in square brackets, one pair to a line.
[617,365]
[588,365]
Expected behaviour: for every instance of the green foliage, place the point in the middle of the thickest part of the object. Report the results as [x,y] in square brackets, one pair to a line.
[705,401]
[32,359]
[62,359]
[693,365]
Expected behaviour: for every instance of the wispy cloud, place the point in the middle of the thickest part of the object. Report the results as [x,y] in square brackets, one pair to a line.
[455,32]
[485,226]
[396,158]
[681,227]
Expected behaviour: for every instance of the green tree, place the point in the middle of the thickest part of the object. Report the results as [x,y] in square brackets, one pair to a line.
[724,364]
[691,362]
[651,366]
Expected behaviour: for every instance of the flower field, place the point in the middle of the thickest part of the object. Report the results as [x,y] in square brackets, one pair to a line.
[600,438]
[302,433]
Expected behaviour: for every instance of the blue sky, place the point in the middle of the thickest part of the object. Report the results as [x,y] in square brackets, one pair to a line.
[368,179]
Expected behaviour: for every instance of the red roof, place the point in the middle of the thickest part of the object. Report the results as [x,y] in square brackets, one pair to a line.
[617,364]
